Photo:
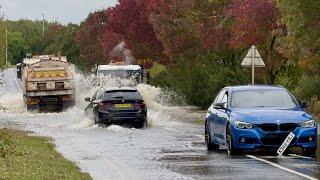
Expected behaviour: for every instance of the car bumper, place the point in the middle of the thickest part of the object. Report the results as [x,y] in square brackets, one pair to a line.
[258,139]
[122,117]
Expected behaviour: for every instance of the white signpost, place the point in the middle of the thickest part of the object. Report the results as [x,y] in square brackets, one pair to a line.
[253,60]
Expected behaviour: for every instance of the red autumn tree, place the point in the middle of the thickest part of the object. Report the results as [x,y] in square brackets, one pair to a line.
[174,27]
[253,21]
[128,21]
[90,36]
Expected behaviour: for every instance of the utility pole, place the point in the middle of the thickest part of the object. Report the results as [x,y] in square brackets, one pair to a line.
[7,44]
[6,50]
[42,24]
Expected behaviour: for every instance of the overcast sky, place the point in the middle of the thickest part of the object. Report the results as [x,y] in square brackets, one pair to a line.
[67,11]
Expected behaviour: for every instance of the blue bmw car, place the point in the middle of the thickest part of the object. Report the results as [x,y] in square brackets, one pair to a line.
[258,117]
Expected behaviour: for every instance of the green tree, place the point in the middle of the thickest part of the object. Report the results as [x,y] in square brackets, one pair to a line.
[2,42]
[301,42]
[18,47]
[64,43]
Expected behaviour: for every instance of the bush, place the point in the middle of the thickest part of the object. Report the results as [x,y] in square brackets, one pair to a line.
[199,81]
[307,87]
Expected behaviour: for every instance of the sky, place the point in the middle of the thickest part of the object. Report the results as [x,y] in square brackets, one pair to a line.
[67,11]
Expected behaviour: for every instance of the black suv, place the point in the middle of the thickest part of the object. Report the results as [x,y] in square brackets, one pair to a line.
[117,106]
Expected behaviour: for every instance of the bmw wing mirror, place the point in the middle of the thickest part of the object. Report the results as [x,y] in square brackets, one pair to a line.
[222,106]
[304,104]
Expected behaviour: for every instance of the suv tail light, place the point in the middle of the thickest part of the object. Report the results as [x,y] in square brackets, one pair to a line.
[141,105]
[104,106]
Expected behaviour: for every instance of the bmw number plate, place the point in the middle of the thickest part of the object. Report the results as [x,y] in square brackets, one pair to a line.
[285,144]
[122,106]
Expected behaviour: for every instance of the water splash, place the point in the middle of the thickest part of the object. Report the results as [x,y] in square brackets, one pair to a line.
[121,52]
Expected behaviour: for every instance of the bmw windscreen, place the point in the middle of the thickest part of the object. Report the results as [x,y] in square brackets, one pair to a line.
[273,98]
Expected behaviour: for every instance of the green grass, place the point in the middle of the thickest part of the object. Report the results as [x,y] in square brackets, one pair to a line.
[29,157]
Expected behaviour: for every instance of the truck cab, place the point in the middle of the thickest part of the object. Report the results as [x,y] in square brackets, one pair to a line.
[134,73]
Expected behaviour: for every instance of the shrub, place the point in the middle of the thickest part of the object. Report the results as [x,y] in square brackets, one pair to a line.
[199,81]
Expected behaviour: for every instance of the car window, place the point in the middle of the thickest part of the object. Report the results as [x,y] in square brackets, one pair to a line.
[263,98]
[123,94]
[219,97]
[100,95]
[225,98]
[95,96]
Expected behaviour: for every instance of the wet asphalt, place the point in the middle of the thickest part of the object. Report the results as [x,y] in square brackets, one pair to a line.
[172,147]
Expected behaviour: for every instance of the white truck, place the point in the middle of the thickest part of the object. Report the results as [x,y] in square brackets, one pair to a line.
[47,83]
[134,73]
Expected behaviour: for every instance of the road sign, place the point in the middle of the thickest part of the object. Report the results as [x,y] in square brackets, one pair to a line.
[253,59]
[286,143]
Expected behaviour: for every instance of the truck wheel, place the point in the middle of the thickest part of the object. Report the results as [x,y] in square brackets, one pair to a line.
[33,108]
[67,105]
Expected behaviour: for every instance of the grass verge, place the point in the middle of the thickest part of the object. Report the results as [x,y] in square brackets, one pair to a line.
[29,157]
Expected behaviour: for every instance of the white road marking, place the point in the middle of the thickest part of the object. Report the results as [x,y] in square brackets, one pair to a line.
[278,157]
[259,159]
[299,156]
[281,167]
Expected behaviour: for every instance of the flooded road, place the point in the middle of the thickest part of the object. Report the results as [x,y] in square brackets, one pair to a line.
[172,147]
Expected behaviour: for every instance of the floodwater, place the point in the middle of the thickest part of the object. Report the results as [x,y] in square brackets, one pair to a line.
[172,147]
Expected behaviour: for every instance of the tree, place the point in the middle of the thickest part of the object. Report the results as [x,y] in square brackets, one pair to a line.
[29,29]
[301,41]
[64,42]
[18,47]
[174,27]
[2,41]
[253,21]
[89,39]
[128,21]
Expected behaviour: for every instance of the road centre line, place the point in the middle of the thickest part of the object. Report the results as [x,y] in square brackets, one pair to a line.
[281,167]
[259,159]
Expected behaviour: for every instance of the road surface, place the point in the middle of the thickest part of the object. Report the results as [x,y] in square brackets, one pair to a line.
[171,148]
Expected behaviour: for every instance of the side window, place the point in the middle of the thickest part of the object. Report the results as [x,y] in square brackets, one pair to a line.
[95,96]
[220,96]
[225,98]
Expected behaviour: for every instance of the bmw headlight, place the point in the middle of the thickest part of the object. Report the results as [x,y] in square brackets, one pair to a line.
[243,125]
[308,124]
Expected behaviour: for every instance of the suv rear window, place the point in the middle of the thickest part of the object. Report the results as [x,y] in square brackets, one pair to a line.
[122,94]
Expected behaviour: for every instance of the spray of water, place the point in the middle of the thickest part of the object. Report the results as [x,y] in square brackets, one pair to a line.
[159,112]
[121,52]
[159,109]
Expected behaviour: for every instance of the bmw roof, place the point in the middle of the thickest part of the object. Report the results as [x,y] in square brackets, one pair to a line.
[120,89]
[253,87]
